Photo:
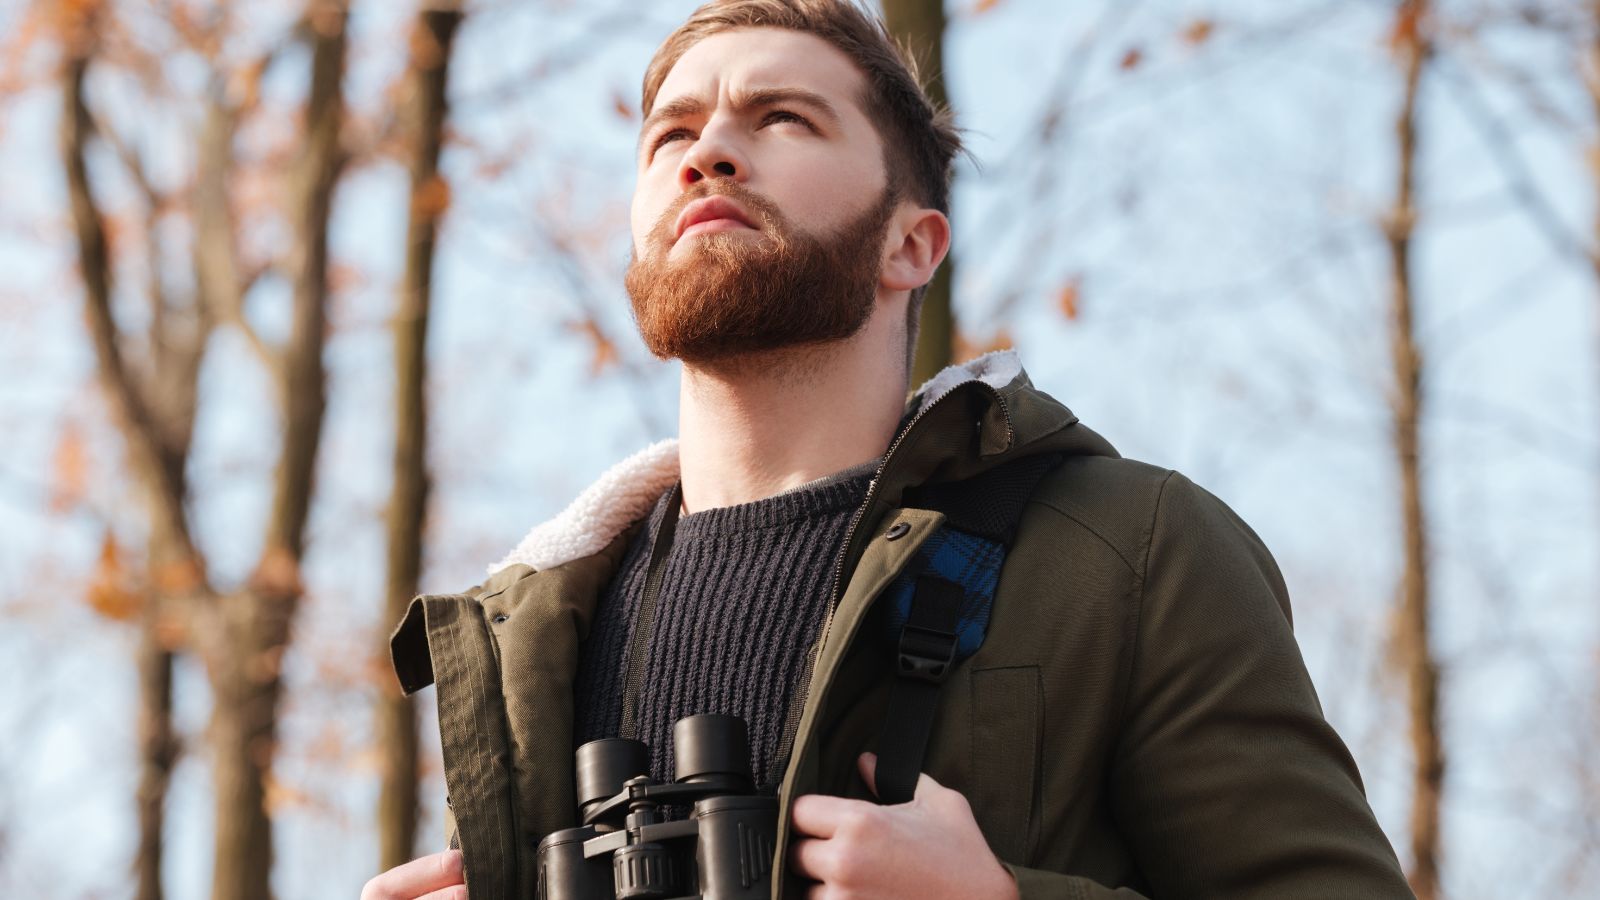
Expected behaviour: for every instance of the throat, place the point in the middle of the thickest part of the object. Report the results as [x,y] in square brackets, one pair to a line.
[751,437]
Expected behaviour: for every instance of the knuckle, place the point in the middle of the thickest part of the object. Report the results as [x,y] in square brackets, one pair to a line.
[860,822]
[849,864]
[958,801]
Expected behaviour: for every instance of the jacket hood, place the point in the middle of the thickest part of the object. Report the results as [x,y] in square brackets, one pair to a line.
[1014,419]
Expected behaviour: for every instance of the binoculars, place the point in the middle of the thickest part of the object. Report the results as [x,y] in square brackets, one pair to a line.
[624,850]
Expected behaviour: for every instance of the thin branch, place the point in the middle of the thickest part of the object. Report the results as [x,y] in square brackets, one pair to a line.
[304,376]
[152,456]
[1501,143]
[216,259]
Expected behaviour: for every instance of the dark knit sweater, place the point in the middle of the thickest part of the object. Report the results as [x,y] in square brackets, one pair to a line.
[742,597]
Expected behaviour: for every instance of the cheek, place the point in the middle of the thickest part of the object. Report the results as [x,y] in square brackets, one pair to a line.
[823,191]
[640,217]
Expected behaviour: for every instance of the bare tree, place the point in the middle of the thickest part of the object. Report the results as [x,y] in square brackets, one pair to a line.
[242,634]
[155,407]
[396,714]
[254,634]
[1412,47]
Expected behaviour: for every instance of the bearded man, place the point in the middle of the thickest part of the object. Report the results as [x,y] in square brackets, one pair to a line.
[1135,718]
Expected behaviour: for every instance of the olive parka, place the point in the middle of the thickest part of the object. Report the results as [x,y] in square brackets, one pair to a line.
[1138,721]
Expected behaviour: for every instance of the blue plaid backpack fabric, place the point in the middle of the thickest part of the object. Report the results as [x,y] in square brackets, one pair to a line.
[966,560]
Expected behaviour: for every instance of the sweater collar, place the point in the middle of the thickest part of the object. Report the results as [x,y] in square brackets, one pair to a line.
[628,490]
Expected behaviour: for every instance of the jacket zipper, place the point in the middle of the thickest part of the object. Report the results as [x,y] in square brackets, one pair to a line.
[797,703]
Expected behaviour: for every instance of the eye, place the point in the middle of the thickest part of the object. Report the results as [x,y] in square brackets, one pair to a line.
[665,137]
[784,115]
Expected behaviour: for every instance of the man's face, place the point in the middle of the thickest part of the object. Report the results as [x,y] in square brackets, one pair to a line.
[761,209]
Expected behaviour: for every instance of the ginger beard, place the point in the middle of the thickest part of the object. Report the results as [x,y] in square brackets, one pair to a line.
[740,292]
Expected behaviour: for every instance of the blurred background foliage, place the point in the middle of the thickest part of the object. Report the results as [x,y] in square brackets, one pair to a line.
[311,305]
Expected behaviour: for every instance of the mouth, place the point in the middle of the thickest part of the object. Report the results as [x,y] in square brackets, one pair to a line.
[711,215]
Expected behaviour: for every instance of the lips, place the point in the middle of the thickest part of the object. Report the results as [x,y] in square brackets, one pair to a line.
[710,209]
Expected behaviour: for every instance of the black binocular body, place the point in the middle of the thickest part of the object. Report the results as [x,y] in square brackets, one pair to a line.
[625,850]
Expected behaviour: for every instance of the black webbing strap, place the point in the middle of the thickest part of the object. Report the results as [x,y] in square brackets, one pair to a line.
[989,506]
[645,621]
[927,651]
[445,639]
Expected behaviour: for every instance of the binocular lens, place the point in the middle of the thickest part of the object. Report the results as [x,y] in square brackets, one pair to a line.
[604,766]
[708,745]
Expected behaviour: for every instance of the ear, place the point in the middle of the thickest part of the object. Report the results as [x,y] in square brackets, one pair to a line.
[923,240]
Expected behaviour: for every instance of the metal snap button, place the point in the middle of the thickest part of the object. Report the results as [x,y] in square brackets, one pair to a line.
[500,618]
[897,531]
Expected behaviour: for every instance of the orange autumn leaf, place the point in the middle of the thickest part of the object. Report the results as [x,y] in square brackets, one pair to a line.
[110,590]
[1131,59]
[1068,299]
[984,6]
[69,469]
[1407,30]
[619,105]
[431,198]
[281,796]
[1198,32]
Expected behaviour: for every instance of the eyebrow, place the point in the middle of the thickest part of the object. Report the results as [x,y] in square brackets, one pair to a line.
[684,107]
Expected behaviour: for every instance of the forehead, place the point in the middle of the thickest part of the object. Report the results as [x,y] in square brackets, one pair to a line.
[752,58]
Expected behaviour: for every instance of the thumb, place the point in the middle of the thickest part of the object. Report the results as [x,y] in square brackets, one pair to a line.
[867,763]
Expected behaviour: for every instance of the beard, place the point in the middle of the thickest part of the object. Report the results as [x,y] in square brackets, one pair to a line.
[737,293]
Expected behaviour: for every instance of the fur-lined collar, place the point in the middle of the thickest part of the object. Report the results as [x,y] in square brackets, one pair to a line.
[626,491]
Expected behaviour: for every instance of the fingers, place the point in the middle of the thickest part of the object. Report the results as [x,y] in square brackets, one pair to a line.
[812,859]
[437,872]
[458,892]
[819,815]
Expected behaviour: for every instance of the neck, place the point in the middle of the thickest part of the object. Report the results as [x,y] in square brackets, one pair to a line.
[753,427]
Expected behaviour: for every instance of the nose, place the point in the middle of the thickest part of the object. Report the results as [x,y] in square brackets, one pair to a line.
[713,155]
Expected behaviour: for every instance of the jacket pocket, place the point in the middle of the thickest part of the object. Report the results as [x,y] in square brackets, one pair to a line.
[1007,730]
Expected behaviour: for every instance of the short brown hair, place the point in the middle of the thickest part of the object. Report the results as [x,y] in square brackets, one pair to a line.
[920,140]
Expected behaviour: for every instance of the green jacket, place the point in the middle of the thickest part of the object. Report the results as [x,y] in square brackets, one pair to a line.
[1138,721]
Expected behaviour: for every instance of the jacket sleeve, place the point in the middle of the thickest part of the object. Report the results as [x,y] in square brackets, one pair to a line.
[1037,884]
[1226,780]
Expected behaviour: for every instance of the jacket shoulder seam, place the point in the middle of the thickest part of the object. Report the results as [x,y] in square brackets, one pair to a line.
[1143,574]
[1090,527]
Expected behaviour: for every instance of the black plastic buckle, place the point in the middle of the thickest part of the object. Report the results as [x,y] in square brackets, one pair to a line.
[926,654]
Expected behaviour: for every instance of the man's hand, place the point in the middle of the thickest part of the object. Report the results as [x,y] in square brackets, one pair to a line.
[436,877]
[926,849]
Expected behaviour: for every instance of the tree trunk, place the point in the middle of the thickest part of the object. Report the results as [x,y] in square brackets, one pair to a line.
[155,416]
[158,750]
[920,24]
[1422,670]
[396,714]
[242,637]
[255,625]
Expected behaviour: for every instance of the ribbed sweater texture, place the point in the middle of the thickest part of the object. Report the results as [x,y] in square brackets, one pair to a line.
[743,594]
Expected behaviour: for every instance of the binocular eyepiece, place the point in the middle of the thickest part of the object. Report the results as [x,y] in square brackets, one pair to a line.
[624,851]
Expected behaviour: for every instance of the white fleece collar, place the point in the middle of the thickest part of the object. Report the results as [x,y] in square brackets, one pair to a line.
[626,492]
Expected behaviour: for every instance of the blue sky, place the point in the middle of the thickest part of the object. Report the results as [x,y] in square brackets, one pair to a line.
[1219,203]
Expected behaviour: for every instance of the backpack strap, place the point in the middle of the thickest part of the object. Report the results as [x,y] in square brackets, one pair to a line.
[938,608]
[445,639]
